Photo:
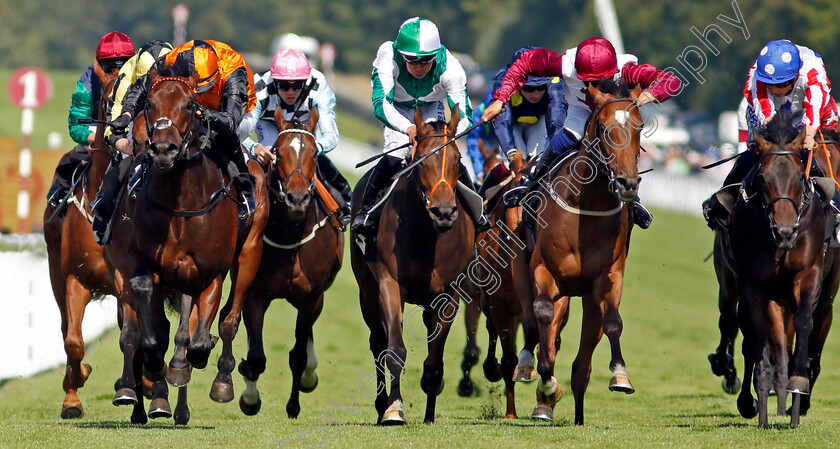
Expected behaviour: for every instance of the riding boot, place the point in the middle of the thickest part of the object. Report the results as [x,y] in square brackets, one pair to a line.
[56,194]
[712,209]
[641,216]
[380,176]
[104,204]
[514,196]
[479,218]
[245,182]
[334,179]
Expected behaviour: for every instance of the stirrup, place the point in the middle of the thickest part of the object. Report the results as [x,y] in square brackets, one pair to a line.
[641,216]
[135,182]
[514,196]
[483,224]
[247,205]
[362,223]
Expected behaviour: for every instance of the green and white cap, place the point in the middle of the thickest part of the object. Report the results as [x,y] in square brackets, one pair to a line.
[418,37]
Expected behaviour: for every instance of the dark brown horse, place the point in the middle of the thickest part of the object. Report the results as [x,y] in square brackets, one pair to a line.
[777,232]
[303,248]
[722,360]
[181,234]
[77,268]
[424,242]
[582,234]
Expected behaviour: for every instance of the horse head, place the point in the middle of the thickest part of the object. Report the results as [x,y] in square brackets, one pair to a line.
[170,120]
[780,178]
[613,138]
[437,176]
[295,166]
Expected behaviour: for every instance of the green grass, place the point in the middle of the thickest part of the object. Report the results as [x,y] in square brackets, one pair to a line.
[670,325]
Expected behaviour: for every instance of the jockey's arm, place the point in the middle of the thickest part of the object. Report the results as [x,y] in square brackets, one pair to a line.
[232,106]
[327,129]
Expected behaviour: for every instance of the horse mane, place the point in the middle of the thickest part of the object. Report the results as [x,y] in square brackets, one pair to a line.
[438,125]
[614,87]
[830,134]
[780,130]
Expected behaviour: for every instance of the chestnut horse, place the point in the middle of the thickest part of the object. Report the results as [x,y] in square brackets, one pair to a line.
[181,234]
[77,268]
[582,235]
[303,248]
[423,243]
[722,360]
[777,232]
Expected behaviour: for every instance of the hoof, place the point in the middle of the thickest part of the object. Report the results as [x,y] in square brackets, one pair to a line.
[179,377]
[549,398]
[311,388]
[466,388]
[747,407]
[492,370]
[799,385]
[525,373]
[621,383]
[159,408]
[247,409]
[731,387]
[722,364]
[393,417]
[182,417]
[74,411]
[125,396]
[139,418]
[221,391]
[543,412]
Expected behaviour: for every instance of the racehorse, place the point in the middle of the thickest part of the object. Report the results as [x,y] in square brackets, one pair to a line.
[181,234]
[582,234]
[424,241]
[722,360]
[77,268]
[786,279]
[303,248]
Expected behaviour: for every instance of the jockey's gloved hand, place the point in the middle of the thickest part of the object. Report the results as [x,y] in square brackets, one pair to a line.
[112,139]
[511,153]
[120,124]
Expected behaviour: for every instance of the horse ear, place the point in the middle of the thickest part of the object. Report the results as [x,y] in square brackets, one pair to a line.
[636,92]
[281,121]
[763,145]
[313,120]
[797,143]
[599,97]
[100,73]
[454,119]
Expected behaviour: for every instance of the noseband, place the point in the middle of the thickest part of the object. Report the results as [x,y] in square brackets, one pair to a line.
[280,191]
[165,123]
[595,146]
[427,198]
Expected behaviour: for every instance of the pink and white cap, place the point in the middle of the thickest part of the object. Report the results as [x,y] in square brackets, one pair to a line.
[289,64]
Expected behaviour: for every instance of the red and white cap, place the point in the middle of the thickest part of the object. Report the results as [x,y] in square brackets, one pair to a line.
[290,64]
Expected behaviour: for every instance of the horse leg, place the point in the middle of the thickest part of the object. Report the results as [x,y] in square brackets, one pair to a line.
[143,286]
[823,316]
[391,304]
[492,369]
[471,351]
[525,370]
[253,310]
[76,298]
[302,361]
[182,409]
[610,288]
[507,337]
[756,358]
[198,350]
[378,341]
[722,361]
[548,389]
[777,341]
[180,371]
[438,320]
[159,405]
[807,295]
[130,346]
[591,332]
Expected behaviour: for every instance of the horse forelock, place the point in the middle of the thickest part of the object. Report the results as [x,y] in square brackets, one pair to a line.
[781,129]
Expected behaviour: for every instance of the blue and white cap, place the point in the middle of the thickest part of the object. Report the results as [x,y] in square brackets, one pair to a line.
[778,62]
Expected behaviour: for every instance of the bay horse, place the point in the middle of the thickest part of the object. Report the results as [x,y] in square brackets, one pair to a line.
[76,265]
[179,238]
[722,360]
[303,249]
[582,237]
[777,232]
[424,241]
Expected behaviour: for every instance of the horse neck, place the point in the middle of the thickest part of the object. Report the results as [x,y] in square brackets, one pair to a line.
[188,185]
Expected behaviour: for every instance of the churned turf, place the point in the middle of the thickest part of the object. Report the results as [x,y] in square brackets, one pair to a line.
[670,325]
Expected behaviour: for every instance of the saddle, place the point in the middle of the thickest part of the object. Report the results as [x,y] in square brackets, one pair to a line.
[68,174]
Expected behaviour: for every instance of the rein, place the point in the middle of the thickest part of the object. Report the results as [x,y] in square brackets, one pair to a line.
[798,205]
[280,192]
[442,179]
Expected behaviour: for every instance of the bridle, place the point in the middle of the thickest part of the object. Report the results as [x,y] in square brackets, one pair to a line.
[442,180]
[799,206]
[280,191]
[164,123]
[599,129]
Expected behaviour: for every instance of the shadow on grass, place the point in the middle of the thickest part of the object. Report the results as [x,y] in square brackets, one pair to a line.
[726,415]
[126,425]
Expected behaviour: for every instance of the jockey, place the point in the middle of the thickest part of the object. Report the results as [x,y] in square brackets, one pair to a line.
[225,90]
[294,87]
[785,76]
[413,71]
[484,133]
[588,63]
[533,115]
[113,50]
[131,71]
